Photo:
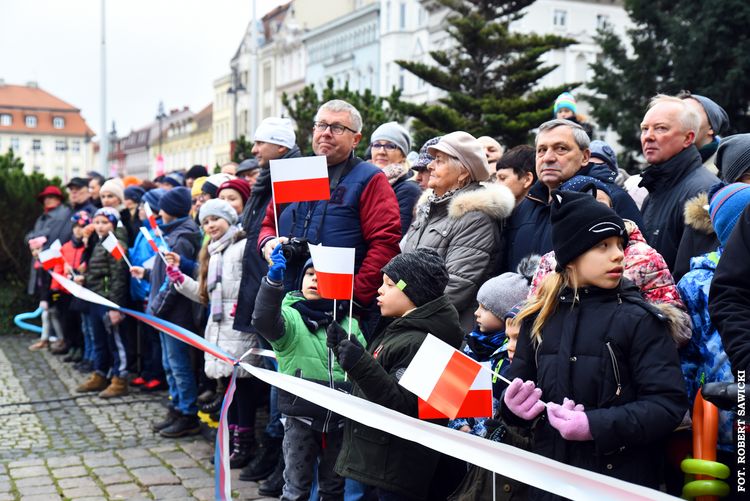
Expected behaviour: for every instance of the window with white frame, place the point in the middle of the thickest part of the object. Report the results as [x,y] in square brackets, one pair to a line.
[58,122]
[36,144]
[559,18]
[75,146]
[602,21]
[6,119]
[402,16]
[61,145]
[31,121]
[14,144]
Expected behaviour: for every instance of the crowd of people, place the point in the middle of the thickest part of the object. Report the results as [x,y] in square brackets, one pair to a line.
[608,300]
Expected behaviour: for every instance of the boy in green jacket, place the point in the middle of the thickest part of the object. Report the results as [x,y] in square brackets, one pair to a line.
[295,325]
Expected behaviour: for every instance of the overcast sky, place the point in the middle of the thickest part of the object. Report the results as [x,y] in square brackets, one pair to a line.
[170,50]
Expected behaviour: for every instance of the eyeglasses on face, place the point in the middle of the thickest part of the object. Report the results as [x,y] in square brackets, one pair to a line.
[337,129]
[383,146]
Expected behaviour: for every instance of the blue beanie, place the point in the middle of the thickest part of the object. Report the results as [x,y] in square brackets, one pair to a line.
[603,151]
[177,202]
[577,183]
[134,193]
[726,208]
[153,198]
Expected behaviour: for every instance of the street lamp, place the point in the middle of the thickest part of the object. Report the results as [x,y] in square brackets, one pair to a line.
[160,116]
[234,89]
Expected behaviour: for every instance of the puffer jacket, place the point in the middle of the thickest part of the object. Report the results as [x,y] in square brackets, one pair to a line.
[464,230]
[375,457]
[222,333]
[704,359]
[528,230]
[647,270]
[699,237]
[299,351]
[670,185]
[107,276]
[608,350]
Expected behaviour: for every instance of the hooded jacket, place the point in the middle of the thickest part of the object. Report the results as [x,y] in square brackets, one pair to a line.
[299,351]
[622,203]
[254,267]
[703,358]
[670,185]
[609,350]
[647,270]
[375,457]
[699,236]
[464,230]
[729,297]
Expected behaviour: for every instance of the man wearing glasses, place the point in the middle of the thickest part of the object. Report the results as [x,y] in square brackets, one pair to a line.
[362,211]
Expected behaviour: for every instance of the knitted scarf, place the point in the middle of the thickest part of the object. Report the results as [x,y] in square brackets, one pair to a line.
[215,263]
[394,172]
[318,313]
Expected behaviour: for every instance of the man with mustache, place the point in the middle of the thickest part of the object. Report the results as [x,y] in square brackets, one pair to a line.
[562,149]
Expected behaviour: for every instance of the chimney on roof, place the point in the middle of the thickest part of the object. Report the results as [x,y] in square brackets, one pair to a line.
[32,84]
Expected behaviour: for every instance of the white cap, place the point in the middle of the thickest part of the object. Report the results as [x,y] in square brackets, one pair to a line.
[277,131]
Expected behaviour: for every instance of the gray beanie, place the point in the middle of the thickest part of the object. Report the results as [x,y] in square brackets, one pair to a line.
[500,294]
[420,274]
[394,133]
[717,117]
[219,208]
[733,157]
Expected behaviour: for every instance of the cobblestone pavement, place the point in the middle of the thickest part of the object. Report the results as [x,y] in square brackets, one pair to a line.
[59,445]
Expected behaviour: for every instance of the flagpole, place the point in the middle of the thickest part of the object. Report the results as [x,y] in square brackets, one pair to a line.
[275,216]
[351,306]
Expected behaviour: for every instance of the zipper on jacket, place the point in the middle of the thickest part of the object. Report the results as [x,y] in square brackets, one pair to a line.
[619,300]
[329,414]
[615,367]
[536,354]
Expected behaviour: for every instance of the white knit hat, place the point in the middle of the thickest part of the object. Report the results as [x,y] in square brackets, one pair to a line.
[277,131]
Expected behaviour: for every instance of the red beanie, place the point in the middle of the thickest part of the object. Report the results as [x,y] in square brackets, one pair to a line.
[239,185]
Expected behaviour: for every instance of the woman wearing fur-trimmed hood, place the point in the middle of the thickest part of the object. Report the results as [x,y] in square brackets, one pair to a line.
[458,217]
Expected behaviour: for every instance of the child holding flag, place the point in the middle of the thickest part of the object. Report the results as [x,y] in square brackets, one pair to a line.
[412,302]
[106,275]
[295,325]
[597,352]
[220,270]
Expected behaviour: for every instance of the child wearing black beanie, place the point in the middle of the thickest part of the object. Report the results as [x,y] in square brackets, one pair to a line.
[597,353]
[412,304]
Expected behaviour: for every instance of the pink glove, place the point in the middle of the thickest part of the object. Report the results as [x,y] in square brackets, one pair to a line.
[174,274]
[36,243]
[523,399]
[570,420]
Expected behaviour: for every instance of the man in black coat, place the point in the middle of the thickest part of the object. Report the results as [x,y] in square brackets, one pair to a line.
[729,297]
[562,150]
[274,139]
[674,175]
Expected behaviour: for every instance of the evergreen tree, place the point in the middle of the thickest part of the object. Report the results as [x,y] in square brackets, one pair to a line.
[490,74]
[374,110]
[693,45]
[241,150]
[9,161]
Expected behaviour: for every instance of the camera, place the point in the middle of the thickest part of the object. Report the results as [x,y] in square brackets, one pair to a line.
[296,250]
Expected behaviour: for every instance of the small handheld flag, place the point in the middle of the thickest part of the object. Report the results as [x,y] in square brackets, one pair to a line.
[113,247]
[334,268]
[50,258]
[299,179]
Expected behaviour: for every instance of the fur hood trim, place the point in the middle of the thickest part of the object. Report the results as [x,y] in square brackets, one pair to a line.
[696,214]
[680,326]
[495,200]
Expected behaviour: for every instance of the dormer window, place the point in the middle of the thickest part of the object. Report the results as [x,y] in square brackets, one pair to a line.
[31,121]
[6,119]
[58,122]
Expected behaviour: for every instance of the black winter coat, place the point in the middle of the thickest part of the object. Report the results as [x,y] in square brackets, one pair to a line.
[375,457]
[407,193]
[55,225]
[611,352]
[729,297]
[671,184]
[622,203]
[528,230]
[254,268]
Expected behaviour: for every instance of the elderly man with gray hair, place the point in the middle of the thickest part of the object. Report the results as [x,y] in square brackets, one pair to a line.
[675,172]
[562,150]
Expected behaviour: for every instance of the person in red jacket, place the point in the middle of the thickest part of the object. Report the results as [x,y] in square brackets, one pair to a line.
[362,211]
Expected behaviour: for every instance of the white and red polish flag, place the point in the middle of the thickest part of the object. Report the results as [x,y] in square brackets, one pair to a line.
[478,402]
[300,179]
[151,217]
[51,257]
[443,377]
[113,246]
[149,239]
[334,268]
